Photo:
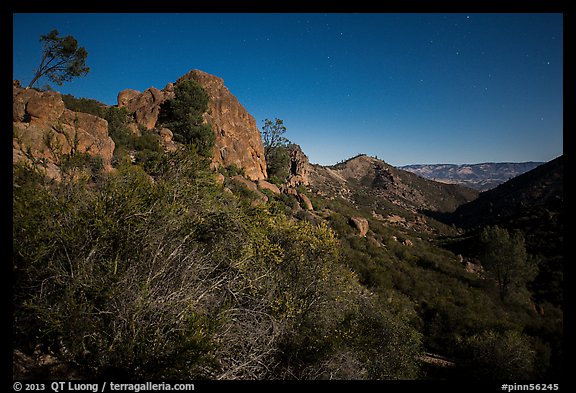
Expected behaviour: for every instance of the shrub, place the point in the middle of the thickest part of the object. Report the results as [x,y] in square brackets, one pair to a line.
[171,278]
[278,164]
[498,356]
[118,120]
[183,115]
[85,105]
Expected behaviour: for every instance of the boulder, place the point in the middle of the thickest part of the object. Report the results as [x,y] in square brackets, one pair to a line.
[249,185]
[127,95]
[305,201]
[361,224]
[408,243]
[45,106]
[474,268]
[144,106]
[166,134]
[219,178]
[264,185]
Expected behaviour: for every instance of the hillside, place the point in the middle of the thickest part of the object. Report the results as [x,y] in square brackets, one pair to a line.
[542,186]
[137,257]
[532,203]
[395,195]
[481,177]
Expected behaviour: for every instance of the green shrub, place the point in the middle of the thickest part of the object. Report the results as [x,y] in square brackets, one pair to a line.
[498,356]
[85,105]
[278,165]
[183,115]
[118,120]
[172,278]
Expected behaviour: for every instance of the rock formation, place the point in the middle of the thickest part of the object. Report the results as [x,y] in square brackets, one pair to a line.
[39,116]
[145,106]
[45,128]
[299,167]
[238,140]
[252,187]
[361,224]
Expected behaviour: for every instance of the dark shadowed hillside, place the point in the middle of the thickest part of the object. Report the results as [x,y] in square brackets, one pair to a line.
[540,187]
[533,204]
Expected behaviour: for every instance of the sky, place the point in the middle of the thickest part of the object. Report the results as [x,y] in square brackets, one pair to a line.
[406,88]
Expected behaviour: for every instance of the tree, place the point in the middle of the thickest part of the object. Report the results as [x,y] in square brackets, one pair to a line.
[272,136]
[504,256]
[278,165]
[183,115]
[62,59]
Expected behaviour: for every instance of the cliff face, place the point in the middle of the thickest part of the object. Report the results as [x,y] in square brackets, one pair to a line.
[43,127]
[41,117]
[238,141]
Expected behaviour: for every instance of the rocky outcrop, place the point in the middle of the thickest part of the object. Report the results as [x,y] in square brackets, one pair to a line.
[252,187]
[299,167]
[45,128]
[361,224]
[145,106]
[166,139]
[305,201]
[264,185]
[238,141]
[474,268]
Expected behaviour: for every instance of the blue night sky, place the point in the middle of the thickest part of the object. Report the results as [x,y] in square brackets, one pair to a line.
[407,88]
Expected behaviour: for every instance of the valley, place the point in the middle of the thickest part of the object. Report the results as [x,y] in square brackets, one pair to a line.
[144,248]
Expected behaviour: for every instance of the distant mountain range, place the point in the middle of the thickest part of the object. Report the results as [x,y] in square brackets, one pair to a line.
[480,177]
[540,187]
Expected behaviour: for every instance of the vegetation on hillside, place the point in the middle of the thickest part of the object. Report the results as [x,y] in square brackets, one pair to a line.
[169,277]
[157,271]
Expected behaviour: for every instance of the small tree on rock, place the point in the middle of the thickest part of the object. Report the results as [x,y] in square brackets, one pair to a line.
[183,115]
[62,59]
[272,136]
[276,150]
